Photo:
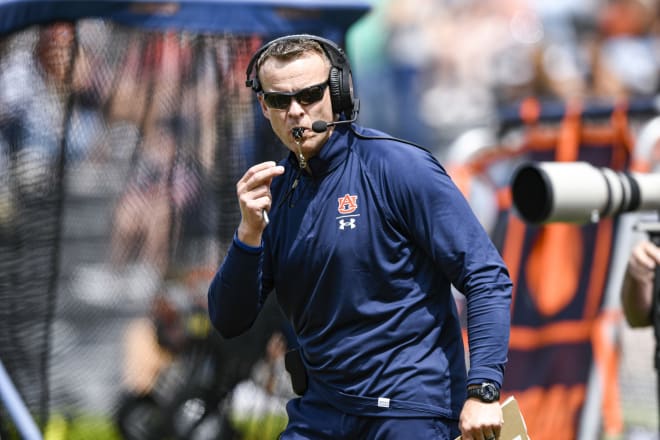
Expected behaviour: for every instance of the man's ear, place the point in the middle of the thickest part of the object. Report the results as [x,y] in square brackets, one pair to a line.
[264,108]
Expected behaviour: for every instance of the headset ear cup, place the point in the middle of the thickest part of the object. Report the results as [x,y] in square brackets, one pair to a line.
[348,101]
[334,83]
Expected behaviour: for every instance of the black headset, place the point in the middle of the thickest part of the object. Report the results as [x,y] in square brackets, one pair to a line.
[340,80]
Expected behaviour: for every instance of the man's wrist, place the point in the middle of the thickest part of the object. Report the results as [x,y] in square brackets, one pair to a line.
[245,246]
[487,392]
[248,237]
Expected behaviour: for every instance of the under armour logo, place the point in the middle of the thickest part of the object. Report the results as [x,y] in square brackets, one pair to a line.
[343,223]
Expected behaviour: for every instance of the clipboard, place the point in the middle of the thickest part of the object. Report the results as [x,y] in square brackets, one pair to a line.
[514,427]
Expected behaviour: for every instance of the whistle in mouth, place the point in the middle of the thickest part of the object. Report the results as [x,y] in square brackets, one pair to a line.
[297,133]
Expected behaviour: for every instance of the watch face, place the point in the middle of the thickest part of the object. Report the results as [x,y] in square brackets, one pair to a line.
[489,392]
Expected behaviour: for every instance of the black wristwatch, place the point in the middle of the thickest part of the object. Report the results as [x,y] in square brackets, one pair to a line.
[486,392]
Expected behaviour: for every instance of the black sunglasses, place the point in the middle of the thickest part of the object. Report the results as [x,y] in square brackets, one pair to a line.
[308,95]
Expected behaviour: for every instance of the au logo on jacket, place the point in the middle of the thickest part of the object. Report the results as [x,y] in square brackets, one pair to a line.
[347,204]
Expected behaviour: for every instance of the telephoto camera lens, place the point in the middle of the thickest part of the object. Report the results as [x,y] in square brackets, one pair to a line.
[578,192]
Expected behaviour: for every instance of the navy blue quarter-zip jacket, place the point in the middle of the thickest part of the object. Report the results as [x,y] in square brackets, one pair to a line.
[362,253]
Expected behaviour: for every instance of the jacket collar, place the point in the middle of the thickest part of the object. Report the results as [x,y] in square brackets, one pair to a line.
[332,154]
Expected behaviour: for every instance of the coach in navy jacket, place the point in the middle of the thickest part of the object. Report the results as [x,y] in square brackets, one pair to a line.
[361,237]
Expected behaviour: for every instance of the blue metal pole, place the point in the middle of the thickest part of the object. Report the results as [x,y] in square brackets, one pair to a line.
[17,409]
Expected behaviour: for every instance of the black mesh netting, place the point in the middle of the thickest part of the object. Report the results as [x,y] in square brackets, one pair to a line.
[119,153]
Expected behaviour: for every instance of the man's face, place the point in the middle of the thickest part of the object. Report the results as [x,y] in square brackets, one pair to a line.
[292,76]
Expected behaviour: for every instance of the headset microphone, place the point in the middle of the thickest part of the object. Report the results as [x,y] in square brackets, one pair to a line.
[321,126]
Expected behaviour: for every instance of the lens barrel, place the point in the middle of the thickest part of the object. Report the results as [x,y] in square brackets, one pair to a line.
[578,192]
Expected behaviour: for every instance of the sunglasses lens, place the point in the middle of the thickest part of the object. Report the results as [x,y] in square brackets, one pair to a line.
[282,101]
[277,100]
[310,95]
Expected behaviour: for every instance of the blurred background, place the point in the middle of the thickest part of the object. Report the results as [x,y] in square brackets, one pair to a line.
[125,125]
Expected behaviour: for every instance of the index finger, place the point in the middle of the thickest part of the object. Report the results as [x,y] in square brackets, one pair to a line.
[262,172]
[254,169]
[652,251]
[642,255]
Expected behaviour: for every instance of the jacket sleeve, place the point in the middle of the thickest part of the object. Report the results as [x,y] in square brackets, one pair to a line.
[438,217]
[235,295]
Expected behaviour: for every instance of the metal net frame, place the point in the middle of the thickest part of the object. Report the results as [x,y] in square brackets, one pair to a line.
[119,152]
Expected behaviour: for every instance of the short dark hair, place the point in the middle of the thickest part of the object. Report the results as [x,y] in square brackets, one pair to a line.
[290,49]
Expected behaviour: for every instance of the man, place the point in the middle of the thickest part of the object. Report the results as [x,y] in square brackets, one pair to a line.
[637,290]
[362,235]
